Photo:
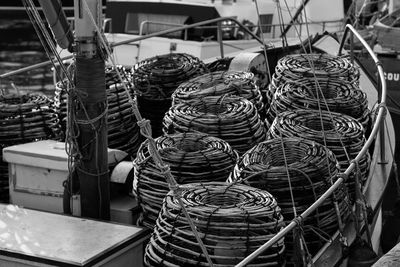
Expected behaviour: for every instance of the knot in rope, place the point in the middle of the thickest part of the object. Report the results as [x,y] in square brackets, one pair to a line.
[145,127]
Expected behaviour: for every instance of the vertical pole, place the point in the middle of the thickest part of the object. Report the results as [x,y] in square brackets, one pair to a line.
[90,109]
[219,37]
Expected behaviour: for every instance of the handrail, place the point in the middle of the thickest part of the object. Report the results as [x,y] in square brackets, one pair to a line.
[149,22]
[379,119]
[143,37]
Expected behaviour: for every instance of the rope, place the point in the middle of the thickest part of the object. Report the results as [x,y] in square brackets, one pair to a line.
[157,159]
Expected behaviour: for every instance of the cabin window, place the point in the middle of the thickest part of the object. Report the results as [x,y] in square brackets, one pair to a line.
[154,23]
[266,22]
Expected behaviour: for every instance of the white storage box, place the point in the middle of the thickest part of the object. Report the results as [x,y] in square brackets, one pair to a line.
[37,171]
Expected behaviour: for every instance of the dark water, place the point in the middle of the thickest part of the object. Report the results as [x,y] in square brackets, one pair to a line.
[20,47]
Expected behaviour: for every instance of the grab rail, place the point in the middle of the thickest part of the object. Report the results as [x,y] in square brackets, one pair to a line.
[340,180]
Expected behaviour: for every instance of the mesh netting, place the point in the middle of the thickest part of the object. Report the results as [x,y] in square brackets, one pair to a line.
[311,169]
[231,118]
[192,157]
[343,135]
[24,118]
[328,94]
[156,78]
[123,131]
[219,83]
[232,220]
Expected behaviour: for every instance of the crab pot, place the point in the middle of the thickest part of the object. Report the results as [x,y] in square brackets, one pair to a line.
[239,83]
[155,80]
[342,134]
[231,118]
[192,157]
[232,221]
[300,168]
[24,118]
[332,94]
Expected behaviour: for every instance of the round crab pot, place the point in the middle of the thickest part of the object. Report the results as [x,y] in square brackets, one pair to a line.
[231,118]
[192,157]
[232,221]
[155,80]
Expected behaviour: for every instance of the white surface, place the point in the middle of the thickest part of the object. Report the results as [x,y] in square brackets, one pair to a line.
[57,237]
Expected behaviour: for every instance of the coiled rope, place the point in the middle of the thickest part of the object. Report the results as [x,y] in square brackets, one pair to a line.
[232,220]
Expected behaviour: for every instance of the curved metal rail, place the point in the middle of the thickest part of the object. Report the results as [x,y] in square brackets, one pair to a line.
[143,37]
[379,119]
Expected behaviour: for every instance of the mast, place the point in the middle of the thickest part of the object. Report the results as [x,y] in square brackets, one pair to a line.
[90,112]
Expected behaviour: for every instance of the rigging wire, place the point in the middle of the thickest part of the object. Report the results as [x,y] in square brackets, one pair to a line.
[145,129]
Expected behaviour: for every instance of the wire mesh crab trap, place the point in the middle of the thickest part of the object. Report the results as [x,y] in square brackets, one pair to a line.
[192,157]
[232,221]
[24,118]
[123,131]
[220,83]
[297,172]
[155,80]
[231,118]
[330,94]
[342,134]
[311,66]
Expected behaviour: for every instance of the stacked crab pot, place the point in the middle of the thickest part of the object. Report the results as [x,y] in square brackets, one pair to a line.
[155,80]
[297,67]
[231,220]
[297,172]
[24,118]
[231,118]
[192,157]
[220,83]
[317,96]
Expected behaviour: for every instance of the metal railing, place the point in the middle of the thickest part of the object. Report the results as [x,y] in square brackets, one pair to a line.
[378,123]
[143,37]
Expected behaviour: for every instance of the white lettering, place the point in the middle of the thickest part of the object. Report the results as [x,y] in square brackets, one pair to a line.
[392,76]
